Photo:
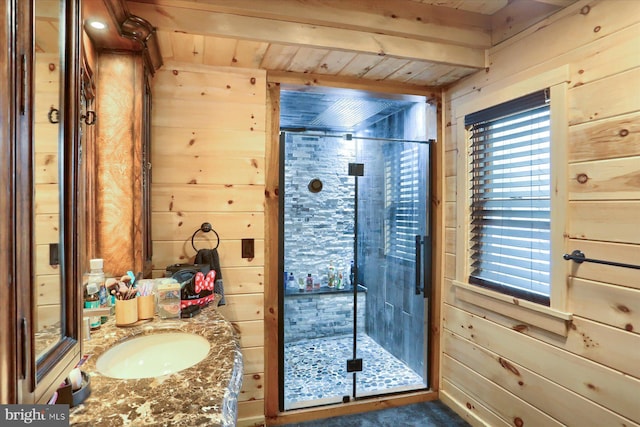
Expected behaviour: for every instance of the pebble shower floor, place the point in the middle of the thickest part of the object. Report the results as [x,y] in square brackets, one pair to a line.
[316,369]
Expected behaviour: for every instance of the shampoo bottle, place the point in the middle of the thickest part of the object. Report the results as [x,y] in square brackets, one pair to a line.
[331,275]
[291,282]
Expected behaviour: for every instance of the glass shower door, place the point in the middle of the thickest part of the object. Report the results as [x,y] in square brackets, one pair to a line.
[355,256]
[393,256]
[318,248]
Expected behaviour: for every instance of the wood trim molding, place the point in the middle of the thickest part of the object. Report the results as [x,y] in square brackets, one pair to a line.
[310,79]
[137,29]
[353,407]
[272,335]
[8,316]
[438,266]
[544,317]
[507,89]
[559,196]
[557,80]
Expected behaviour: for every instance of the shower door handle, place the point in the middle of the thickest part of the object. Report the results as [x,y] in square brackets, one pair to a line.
[418,264]
[423,265]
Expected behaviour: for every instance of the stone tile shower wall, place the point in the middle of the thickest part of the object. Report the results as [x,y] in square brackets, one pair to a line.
[322,315]
[318,230]
[318,227]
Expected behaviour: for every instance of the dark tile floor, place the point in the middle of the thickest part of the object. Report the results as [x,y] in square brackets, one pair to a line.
[426,414]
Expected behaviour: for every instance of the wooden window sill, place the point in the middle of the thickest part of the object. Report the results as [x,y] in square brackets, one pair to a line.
[541,316]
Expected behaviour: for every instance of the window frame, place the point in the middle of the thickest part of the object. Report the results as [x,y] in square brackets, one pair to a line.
[524,109]
[553,318]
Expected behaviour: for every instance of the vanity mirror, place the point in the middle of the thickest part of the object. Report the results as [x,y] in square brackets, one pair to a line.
[52,184]
[47,96]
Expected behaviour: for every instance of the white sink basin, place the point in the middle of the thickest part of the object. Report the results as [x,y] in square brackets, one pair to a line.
[149,356]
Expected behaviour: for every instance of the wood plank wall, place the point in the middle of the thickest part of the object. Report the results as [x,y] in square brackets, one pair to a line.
[208,165]
[495,370]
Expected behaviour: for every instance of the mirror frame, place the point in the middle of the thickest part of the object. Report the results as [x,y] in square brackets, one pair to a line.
[23,379]
[40,378]
[67,351]
[9,112]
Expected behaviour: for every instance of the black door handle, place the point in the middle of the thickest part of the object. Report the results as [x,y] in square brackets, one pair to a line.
[418,264]
[423,266]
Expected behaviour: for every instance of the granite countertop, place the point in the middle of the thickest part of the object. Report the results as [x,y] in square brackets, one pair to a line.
[204,394]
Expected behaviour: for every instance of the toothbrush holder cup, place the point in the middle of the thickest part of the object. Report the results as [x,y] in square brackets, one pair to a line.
[146,307]
[126,311]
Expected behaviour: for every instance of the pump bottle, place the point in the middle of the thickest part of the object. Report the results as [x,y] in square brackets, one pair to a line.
[96,295]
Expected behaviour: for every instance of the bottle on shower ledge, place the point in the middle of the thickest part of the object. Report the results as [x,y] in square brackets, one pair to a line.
[309,283]
[291,282]
[339,280]
[331,275]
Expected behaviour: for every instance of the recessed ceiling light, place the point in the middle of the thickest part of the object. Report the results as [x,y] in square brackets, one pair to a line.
[98,25]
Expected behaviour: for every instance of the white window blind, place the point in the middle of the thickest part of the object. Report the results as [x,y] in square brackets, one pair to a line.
[510,206]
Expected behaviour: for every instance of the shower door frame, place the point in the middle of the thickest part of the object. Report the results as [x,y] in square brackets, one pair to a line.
[423,286]
[423,269]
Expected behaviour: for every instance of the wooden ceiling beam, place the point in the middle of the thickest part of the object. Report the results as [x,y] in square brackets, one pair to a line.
[311,80]
[171,18]
[402,18]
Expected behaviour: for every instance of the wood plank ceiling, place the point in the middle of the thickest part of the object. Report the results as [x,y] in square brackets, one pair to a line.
[419,44]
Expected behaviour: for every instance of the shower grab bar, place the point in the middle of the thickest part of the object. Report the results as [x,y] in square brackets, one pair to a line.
[579,257]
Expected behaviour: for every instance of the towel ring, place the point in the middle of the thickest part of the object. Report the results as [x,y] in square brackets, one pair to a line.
[205,228]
